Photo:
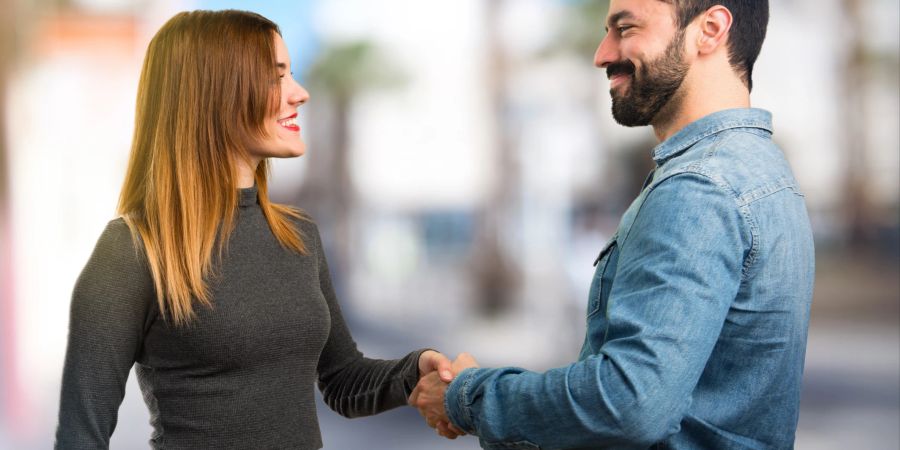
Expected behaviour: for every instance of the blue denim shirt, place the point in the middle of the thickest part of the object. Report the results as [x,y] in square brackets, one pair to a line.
[697,317]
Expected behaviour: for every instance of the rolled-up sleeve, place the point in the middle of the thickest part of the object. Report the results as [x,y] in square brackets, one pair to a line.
[679,268]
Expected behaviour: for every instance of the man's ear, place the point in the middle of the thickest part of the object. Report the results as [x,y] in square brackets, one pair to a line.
[714,25]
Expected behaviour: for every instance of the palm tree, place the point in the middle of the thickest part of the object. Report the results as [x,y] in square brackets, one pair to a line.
[582,28]
[338,76]
[496,276]
[863,69]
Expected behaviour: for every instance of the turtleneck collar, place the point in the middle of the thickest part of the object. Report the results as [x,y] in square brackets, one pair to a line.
[248,196]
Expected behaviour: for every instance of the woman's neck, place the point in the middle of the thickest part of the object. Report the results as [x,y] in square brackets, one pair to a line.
[246,175]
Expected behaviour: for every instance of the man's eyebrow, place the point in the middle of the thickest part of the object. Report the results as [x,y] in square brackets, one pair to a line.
[615,18]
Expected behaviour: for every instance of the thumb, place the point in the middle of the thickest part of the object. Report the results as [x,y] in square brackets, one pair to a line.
[444,368]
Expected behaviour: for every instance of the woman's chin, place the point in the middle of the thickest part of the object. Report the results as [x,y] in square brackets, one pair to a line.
[297,152]
[292,152]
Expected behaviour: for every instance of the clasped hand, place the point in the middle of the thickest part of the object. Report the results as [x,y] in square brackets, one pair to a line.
[436,372]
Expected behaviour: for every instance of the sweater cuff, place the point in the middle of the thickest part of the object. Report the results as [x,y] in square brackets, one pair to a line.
[411,378]
[456,401]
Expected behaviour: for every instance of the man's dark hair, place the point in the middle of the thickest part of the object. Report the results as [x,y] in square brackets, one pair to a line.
[747,31]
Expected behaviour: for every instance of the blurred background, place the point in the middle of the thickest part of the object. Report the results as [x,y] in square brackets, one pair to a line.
[465,170]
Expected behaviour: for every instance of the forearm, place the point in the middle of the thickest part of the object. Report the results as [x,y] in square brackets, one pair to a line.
[676,278]
[587,404]
[364,386]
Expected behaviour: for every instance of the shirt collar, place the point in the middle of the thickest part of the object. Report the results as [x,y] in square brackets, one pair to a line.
[248,196]
[709,125]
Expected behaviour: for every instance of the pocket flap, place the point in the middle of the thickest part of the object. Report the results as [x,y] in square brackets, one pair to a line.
[606,248]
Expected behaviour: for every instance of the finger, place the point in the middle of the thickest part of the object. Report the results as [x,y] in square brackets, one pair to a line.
[463,362]
[444,430]
[426,362]
[466,359]
[444,367]
[455,430]
[414,397]
[449,429]
[444,433]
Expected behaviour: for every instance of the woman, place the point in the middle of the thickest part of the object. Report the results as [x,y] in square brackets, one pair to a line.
[221,299]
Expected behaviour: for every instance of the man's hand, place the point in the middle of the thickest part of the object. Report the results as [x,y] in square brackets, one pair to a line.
[462,362]
[428,397]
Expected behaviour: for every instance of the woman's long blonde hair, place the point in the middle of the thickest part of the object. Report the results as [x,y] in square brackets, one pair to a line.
[208,83]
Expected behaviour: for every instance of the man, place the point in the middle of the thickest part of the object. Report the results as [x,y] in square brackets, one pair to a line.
[698,312]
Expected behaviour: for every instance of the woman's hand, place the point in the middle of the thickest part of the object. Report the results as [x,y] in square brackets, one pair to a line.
[428,396]
[432,361]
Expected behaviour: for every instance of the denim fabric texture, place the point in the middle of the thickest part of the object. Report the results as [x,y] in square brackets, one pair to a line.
[697,315]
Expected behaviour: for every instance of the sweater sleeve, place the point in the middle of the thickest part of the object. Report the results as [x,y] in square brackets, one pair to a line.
[351,384]
[111,303]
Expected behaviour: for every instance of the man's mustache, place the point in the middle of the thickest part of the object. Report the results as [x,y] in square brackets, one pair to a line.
[620,68]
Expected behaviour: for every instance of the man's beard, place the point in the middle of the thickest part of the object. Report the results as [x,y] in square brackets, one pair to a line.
[650,90]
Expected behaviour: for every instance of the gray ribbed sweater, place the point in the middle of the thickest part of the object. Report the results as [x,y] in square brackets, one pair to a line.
[241,375]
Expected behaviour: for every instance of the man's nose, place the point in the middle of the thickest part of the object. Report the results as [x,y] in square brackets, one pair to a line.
[606,53]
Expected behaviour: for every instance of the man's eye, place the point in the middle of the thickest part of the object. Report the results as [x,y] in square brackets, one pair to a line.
[623,28]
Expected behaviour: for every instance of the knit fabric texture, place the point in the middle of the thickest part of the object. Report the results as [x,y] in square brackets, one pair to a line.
[242,373]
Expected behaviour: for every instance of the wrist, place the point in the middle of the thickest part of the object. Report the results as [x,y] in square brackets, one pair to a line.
[455,401]
[424,363]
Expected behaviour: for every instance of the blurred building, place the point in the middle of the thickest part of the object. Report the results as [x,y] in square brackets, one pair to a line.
[464,175]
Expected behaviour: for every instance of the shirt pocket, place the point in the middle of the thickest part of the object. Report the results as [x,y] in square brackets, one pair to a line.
[595,300]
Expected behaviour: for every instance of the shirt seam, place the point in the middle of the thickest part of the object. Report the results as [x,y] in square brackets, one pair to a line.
[697,168]
[737,126]
[700,168]
[466,403]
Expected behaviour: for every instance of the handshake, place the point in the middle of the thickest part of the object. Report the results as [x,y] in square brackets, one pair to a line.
[435,374]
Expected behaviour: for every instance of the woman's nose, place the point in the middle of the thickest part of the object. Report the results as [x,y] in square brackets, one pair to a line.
[298,95]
